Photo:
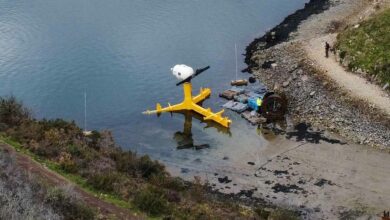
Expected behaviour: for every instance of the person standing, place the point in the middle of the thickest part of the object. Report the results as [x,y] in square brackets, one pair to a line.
[327,48]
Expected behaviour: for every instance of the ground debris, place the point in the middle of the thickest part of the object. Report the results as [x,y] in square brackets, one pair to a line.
[224,179]
[286,188]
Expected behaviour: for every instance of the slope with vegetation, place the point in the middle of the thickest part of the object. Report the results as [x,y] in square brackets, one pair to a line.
[366,46]
[121,177]
[26,196]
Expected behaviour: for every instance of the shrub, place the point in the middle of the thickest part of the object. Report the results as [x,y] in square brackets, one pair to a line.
[12,112]
[147,167]
[153,201]
[67,164]
[74,150]
[283,214]
[166,181]
[93,140]
[262,213]
[107,182]
[66,204]
[21,195]
[125,161]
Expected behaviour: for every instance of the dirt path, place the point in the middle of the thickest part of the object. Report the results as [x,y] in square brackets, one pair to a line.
[53,178]
[356,85]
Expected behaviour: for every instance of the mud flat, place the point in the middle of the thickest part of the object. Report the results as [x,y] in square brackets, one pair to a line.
[304,169]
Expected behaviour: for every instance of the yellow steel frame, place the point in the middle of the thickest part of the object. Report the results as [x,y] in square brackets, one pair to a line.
[191,103]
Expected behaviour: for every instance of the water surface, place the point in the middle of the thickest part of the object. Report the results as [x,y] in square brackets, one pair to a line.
[120,53]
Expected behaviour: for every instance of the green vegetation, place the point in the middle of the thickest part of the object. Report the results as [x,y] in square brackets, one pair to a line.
[26,196]
[278,214]
[367,47]
[100,167]
[66,204]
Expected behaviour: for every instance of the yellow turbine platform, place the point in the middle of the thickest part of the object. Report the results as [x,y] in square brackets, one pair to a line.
[191,103]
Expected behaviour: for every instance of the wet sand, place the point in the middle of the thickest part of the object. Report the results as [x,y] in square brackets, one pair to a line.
[308,170]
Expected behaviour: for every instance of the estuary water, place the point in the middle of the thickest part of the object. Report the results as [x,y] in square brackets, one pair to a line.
[120,53]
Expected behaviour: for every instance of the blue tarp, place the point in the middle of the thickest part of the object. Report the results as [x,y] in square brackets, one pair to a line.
[236,106]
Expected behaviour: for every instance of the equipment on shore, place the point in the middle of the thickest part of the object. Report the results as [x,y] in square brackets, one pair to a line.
[256,105]
[186,74]
[274,106]
[239,82]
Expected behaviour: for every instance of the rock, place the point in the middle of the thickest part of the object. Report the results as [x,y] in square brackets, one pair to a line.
[304,78]
[253,119]
[276,87]
[285,84]
[386,86]
[224,180]
[274,65]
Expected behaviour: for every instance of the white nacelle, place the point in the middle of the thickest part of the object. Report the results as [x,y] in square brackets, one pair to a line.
[182,71]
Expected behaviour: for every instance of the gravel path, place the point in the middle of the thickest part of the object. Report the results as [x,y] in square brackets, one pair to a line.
[356,85]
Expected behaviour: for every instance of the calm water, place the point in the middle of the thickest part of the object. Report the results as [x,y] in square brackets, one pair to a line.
[120,53]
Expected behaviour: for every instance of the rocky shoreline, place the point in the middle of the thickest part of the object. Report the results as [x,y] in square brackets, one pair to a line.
[279,61]
[281,32]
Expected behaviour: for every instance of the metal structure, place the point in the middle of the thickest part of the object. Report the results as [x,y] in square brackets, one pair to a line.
[191,103]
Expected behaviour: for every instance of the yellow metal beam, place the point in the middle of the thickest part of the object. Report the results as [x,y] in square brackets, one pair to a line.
[190,103]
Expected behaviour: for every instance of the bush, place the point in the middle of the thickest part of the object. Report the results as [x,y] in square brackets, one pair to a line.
[167,181]
[74,150]
[262,213]
[107,182]
[93,140]
[12,112]
[67,164]
[147,167]
[130,163]
[66,204]
[153,201]
[125,161]
[283,214]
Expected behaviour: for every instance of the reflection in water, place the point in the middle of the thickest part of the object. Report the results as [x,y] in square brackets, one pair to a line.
[184,138]
[271,131]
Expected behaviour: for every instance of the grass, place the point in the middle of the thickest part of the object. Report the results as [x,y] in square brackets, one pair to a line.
[74,178]
[367,47]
